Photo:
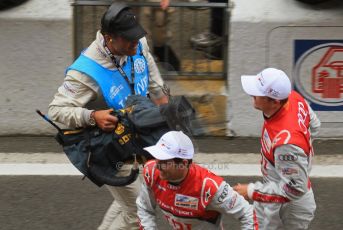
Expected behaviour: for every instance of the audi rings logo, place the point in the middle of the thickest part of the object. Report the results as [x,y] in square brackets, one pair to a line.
[288,157]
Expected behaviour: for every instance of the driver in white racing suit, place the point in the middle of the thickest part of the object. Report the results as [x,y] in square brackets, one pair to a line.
[190,197]
[284,200]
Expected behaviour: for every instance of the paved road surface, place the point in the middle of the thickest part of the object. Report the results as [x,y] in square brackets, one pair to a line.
[60,203]
[29,144]
[67,202]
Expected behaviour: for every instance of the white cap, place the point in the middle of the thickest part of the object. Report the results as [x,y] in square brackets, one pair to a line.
[173,144]
[273,83]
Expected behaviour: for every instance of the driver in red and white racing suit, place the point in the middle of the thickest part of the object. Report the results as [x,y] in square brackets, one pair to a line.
[284,200]
[190,197]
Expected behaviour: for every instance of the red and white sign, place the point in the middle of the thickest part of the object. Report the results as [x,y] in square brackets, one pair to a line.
[318,74]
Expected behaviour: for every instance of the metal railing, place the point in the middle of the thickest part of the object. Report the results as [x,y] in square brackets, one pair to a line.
[183,20]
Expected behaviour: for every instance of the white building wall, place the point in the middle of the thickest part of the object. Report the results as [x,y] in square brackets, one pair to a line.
[262,35]
[36,47]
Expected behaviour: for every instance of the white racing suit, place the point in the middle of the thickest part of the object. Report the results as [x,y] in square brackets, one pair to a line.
[77,97]
[200,201]
[285,200]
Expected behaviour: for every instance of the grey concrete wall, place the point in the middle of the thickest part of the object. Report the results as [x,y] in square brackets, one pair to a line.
[36,47]
[263,35]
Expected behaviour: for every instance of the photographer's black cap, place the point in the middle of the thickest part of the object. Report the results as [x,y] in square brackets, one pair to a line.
[119,20]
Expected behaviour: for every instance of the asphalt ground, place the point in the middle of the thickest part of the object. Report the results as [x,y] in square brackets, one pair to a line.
[67,202]
[41,144]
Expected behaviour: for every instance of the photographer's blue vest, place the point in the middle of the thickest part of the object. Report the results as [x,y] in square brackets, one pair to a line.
[114,87]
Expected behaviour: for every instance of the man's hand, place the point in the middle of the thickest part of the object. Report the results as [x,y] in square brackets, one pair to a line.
[105,120]
[164,4]
[242,189]
[161,100]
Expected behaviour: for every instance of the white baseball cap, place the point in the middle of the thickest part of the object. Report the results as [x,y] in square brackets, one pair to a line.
[271,82]
[173,144]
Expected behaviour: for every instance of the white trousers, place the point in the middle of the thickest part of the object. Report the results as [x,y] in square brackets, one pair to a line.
[294,215]
[122,214]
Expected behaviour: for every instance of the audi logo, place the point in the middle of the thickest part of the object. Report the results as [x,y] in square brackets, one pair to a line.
[288,157]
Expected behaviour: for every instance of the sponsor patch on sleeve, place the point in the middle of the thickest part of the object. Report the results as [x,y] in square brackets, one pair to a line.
[291,190]
[69,89]
[290,171]
[223,194]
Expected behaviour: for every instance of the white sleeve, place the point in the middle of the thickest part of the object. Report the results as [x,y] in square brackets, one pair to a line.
[227,201]
[156,83]
[146,206]
[314,122]
[291,165]
[68,104]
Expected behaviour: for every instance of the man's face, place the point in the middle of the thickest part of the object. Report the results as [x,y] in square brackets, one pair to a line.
[262,103]
[267,105]
[122,46]
[171,171]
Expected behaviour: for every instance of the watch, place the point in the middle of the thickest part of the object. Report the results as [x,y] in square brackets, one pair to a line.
[91,120]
